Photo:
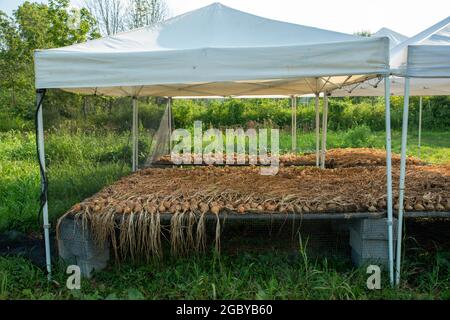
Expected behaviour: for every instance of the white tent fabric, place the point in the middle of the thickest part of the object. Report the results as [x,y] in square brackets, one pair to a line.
[429,61]
[375,88]
[395,38]
[422,57]
[427,54]
[215,50]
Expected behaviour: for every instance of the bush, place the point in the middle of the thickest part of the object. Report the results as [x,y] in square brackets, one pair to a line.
[10,122]
[116,114]
[344,113]
[360,136]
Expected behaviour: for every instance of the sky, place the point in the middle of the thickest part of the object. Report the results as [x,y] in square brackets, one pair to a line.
[349,16]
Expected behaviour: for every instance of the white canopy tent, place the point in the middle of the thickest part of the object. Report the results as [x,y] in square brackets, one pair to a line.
[214,51]
[435,35]
[420,67]
[434,85]
[395,38]
[425,56]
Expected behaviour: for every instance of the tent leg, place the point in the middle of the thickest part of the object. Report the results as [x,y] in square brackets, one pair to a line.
[317,131]
[169,114]
[402,181]
[324,129]
[387,99]
[135,131]
[294,124]
[420,127]
[41,154]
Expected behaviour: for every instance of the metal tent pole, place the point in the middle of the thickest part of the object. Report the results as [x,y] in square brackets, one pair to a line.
[387,101]
[169,115]
[402,181]
[294,123]
[41,155]
[324,129]
[317,131]
[420,126]
[135,130]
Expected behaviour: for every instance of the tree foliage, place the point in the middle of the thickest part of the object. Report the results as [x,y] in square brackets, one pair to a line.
[31,27]
[364,33]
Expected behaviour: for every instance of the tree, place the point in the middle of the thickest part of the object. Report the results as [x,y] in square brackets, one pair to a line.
[35,26]
[146,13]
[110,15]
[10,51]
[363,33]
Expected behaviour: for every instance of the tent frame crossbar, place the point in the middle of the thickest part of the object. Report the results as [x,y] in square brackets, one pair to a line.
[325,81]
[315,90]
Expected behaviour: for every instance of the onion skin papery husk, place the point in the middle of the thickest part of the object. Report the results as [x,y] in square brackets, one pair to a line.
[128,213]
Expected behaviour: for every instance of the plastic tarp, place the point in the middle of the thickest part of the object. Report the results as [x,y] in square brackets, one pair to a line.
[425,58]
[214,51]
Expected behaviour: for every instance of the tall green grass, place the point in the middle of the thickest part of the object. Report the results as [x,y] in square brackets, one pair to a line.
[78,165]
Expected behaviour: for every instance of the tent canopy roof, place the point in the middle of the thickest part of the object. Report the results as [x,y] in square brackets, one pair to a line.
[213,26]
[425,55]
[425,58]
[395,38]
[215,50]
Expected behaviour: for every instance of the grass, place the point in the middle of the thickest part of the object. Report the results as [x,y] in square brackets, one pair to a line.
[434,145]
[269,275]
[80,164]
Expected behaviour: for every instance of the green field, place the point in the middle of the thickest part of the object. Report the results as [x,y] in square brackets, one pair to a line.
[82,163]
[271,275]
